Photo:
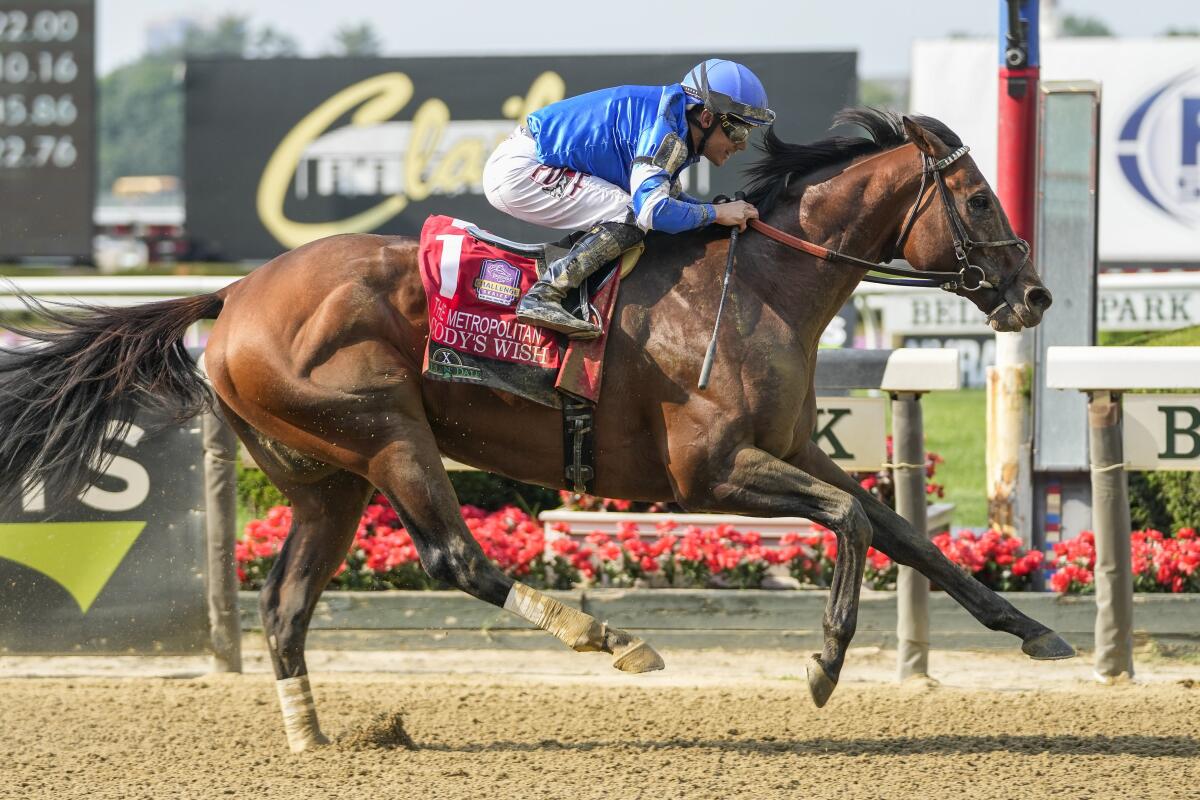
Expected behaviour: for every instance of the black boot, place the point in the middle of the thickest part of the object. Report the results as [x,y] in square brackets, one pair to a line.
[542,304]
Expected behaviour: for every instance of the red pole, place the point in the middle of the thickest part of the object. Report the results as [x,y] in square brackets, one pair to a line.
[1017,133]
[1010,423]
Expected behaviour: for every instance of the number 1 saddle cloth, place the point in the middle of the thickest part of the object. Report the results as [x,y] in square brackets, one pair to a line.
[473,280]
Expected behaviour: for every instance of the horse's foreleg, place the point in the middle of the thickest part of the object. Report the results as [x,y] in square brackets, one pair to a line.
[410,472]
[895,538]
[761,485]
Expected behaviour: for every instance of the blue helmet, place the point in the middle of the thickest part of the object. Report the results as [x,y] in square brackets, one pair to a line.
[726,87]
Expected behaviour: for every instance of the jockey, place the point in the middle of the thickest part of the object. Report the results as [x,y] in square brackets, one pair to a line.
[609,161]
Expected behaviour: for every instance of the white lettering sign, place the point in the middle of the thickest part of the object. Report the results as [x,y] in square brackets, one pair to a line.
[1161,431]
[128,471]
[851,431]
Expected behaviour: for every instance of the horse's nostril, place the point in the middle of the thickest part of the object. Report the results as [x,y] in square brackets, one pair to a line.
[1038,297]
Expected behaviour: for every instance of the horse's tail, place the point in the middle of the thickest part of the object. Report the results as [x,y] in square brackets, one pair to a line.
[79,384]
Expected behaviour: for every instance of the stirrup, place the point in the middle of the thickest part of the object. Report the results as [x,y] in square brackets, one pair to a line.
[546,314]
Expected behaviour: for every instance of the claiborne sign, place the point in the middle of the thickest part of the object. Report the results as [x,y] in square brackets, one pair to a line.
[377,145]
[1162,431]
[851,431]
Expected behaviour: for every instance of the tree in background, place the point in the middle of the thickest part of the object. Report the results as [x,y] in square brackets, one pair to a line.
[356,40]
[1173,31]
[140,120]
[1080,25]
[270,43]
[888,93]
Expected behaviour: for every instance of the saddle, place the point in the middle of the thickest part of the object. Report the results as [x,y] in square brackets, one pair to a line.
[473,280]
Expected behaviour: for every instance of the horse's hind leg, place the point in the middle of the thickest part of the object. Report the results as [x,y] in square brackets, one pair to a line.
[325,515]
[409,471]
[327,504]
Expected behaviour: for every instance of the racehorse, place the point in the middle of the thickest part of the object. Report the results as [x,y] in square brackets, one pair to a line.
[316,361]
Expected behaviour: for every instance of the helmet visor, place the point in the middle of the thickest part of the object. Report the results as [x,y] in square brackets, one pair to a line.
[749,115]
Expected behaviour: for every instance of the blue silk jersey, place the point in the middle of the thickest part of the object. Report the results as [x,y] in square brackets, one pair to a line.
[633,137]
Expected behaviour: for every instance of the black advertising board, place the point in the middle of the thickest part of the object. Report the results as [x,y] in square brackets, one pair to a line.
[281,151]
[121,569]
[47,110]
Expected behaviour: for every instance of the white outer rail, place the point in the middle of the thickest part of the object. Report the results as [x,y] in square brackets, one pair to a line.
[1122,368]
[108,290]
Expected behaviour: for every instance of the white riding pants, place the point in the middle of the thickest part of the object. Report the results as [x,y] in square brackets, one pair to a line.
[515,182]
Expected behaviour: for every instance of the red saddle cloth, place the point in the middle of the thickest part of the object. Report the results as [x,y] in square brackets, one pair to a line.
[474,337]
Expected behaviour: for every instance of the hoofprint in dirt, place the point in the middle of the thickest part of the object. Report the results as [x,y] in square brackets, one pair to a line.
[519,725]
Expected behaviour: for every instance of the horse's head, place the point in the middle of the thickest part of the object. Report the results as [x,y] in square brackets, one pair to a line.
[957,223]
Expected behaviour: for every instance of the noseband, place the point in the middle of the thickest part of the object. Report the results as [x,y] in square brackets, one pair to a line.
[969,277]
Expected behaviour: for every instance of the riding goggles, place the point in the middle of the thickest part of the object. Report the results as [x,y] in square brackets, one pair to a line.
[738,130]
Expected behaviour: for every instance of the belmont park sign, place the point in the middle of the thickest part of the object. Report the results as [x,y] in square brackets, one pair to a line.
[1128,301]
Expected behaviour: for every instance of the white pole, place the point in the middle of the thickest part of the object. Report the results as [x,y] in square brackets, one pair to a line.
[1010,437]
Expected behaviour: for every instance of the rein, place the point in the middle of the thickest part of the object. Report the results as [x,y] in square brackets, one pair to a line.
[969,277]
[928,279]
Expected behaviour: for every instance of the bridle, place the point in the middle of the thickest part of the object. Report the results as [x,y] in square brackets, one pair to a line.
[963,244]
[969,277]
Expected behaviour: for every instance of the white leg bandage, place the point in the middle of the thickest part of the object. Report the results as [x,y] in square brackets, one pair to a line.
[299,713]
[568,624]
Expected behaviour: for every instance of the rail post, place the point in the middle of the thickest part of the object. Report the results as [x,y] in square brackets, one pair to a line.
[1105,373]
[1111,520]
[912,588]
[220,489]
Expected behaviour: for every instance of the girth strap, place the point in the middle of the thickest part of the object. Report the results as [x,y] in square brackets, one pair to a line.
[578,426]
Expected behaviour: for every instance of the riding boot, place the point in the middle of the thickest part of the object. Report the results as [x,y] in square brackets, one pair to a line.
[542,304]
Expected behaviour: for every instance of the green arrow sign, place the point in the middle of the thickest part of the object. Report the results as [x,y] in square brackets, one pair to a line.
[80,556]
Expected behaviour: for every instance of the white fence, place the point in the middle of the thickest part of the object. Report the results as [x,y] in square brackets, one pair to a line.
[1105,373]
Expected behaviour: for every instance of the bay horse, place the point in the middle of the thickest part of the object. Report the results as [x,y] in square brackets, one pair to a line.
[315,359]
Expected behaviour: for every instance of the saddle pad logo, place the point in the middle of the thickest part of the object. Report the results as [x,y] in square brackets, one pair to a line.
[498,282]
[448,364]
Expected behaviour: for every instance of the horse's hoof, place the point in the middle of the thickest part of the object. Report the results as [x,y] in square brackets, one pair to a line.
[639,657]
[1048,646]
[820,685]
[311,741]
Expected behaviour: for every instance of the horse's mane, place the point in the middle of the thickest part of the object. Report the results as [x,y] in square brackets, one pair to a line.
[769,175]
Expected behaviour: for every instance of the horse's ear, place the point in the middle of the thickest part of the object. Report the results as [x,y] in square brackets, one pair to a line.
[925,140]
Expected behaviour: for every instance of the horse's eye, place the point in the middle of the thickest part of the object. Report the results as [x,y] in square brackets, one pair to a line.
[979,202]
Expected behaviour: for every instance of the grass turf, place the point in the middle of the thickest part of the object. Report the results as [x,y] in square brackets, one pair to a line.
[956,429]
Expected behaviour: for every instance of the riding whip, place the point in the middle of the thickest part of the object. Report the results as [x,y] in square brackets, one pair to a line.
[712,343]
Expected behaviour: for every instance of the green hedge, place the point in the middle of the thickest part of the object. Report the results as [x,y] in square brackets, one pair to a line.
[1165,501]
[256,494]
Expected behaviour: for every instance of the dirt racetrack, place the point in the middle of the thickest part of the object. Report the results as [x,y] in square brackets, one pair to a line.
[560,725]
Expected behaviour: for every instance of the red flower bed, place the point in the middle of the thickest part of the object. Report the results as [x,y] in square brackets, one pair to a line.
[996,560]
[1160,562]
[383,555]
